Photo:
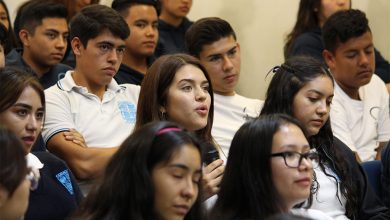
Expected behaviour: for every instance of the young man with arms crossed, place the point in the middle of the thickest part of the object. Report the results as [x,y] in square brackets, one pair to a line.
[142,19]
[88,99]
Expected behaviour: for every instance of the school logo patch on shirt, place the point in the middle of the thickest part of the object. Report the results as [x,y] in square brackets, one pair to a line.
[64,179]
[128,111]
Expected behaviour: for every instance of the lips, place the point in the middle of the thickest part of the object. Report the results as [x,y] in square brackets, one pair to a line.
[110,71]
[202,110]
[230,78]
[57,56]
[318,122]
[28,140]
[306,181]
[181,209]
[184,9]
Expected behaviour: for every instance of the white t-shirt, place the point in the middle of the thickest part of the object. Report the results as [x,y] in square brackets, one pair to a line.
[361,124]
[103,123]
[230,112]
[325,199]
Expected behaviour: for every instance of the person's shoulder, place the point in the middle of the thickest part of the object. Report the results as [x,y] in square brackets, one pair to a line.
[49,159]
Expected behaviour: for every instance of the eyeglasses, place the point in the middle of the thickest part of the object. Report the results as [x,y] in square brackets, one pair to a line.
[293,159]
[33,177]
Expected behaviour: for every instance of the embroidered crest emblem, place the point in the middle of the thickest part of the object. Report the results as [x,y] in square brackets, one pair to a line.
[64,179]
[128,111]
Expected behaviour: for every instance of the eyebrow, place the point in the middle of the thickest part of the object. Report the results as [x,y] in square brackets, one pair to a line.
[29,107]
[56,31]
[193,81]
[218,54]
[318,92]
[183,167]
[306,146]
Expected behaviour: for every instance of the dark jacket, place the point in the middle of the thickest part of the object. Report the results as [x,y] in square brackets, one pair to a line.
[57,195]
[370,206]
[14,58]
[171,39]
[310,43]
[385,178]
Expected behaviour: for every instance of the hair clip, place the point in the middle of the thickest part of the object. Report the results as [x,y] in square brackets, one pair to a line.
[287,68]
[165,130]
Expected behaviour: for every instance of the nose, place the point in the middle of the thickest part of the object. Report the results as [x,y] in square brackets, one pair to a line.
[227,64]
[322,108]
[201,94]
[189,190]
[364,59]
[151,32]
[61,42]
[32,123]
[113,56]
[305,164]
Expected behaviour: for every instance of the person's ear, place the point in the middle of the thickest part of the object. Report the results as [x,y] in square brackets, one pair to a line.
[24,37]
[76,45]
[329,58]
[3,196]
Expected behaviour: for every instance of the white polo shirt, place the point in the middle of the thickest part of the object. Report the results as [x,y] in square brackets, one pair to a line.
[103,123]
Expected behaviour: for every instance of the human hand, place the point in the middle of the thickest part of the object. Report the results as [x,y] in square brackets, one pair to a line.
[74,136]
[212,176]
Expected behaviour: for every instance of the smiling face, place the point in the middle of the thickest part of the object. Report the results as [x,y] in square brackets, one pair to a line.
[311,105]
[188,101]
[142,21]
[223,62]
[352,63]
[25,117]
[176,183]
[292,184]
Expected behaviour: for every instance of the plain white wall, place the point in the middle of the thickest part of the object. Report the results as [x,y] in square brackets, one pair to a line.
[261,26]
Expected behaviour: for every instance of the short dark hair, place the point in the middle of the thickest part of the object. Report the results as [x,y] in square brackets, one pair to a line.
[130,172]
[13,165]
[94,19]
[247,187]
[30,14]
[155,86]
[342,26]
[122,6]
[206,31]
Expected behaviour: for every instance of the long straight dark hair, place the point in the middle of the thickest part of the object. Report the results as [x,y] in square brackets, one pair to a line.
[289,78]
[127,189]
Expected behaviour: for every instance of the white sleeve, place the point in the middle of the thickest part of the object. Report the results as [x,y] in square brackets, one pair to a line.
[384,117]
[339,123]
[58,113]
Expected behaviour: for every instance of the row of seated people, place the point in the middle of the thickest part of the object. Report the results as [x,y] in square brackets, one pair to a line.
[100,88]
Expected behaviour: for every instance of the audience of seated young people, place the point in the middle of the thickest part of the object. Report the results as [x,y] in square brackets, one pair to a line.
[142,19]
[214,42]
[155,174]
[43,33]
[5,20]
[88,99]
[360,108]
[22,110]
[306,39]
[15,177]
[269,170]
[172,26]
[304,89]
[178,88]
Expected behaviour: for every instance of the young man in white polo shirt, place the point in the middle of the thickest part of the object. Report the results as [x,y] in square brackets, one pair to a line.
[360,107]
[88,99]
[214,42]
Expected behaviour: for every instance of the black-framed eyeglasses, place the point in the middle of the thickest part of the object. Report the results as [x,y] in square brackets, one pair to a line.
[293,159]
